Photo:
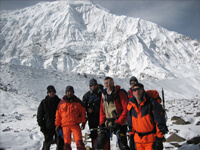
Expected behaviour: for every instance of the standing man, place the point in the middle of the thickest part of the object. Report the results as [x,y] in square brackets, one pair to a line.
[113,113]
[70,113]
[146,120]
[133,80]
[91,101]
[46,116]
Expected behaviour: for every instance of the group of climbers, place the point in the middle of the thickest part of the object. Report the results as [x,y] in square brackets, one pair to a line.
[108,110]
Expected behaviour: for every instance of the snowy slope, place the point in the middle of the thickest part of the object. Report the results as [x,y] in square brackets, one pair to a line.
[22,88]
[69,42]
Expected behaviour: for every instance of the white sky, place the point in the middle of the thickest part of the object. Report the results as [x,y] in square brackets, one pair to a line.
[181,16]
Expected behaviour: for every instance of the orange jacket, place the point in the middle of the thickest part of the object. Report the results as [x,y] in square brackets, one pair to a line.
[70,112]
[141,121]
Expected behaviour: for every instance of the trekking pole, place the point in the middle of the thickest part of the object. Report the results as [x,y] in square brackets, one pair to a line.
[94,129]
[163,97]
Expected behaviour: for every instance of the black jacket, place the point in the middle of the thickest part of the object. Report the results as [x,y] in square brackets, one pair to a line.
[47,111]
[92,99]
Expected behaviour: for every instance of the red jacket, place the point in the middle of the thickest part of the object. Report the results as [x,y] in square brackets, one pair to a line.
[70,112]
[120,100]
[130,93]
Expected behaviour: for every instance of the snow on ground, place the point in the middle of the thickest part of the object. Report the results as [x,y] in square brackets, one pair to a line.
[38,49]
[19,129]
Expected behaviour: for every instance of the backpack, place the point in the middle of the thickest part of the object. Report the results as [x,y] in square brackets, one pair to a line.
[124,92]
[154,95]
[118,97]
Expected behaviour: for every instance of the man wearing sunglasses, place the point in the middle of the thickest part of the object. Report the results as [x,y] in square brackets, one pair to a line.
[91,101]
[113,116]
[146,120]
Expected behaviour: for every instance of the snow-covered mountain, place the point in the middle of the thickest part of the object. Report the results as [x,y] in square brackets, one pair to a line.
[83,38]
[69,42]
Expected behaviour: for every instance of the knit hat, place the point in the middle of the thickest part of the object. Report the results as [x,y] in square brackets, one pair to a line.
[133,78]
[69,88]
[93,82]
[139,85]
[50,89]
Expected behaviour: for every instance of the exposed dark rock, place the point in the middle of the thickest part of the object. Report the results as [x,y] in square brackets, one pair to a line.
[197,114]
[187,122]
[7,129]
[175,131]
[175,118]
[169,147]
[188,113]
[179,120]
[175,138]
[198,123]
[194,140]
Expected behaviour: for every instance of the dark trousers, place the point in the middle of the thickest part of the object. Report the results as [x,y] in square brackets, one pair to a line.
[48,139]
[131,142]
[122,138]
[93,122]
[104,137]
[60,143]
[103,140]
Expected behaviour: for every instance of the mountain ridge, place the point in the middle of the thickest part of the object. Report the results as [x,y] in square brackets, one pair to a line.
[80,37]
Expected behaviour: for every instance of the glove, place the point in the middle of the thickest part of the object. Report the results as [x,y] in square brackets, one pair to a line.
[158,144]
[83,126]
[116,127]
[57,130]
[43,130]
[132,142]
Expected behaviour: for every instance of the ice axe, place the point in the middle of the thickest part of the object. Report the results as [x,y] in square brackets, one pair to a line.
[163,97]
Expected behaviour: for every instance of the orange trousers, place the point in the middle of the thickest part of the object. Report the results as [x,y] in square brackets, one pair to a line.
[144,146]
[75,130]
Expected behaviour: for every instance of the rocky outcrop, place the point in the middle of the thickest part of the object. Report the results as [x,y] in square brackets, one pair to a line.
[175,138]
[179,120]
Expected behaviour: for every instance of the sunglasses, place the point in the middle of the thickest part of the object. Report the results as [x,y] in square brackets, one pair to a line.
[137,89]
[110,82]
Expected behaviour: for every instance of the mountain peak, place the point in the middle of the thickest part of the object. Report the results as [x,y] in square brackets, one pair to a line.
[81,37]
